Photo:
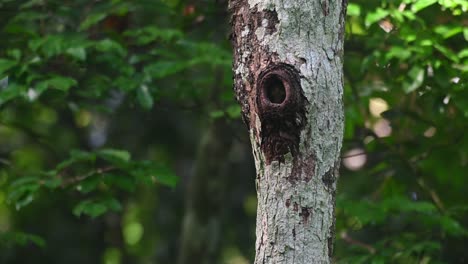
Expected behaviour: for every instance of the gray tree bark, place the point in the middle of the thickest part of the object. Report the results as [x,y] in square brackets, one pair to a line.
[288,58]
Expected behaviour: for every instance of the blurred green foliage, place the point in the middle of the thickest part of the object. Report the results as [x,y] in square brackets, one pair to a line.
[406,112]
[102,104]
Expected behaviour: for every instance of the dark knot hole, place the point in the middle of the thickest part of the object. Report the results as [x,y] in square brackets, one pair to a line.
[274,89]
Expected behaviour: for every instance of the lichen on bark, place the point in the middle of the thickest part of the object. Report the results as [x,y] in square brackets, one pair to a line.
[296,144]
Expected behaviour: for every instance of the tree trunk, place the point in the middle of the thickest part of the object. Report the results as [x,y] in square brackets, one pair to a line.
[288,58]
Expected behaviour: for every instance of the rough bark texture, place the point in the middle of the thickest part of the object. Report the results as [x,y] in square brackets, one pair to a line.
[288,80]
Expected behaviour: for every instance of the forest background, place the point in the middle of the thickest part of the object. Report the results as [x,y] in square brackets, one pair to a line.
[118,125]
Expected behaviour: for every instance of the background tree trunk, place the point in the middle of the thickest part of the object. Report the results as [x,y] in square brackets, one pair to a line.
[288,80]
[202,226]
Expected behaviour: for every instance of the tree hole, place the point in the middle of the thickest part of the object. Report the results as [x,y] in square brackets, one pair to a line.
[274,90]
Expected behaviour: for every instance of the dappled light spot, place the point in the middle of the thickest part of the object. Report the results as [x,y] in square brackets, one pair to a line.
[382,128]
[455,80]
[377,106]
[112,256]
[386,25]
[446,99]
[233,255]
[32,94]
[430,132]
[368,139]
[83,118]
[98,133]
[133,232]
[355,159]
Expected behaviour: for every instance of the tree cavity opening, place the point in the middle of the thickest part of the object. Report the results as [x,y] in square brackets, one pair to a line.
[281,109]
[274,89]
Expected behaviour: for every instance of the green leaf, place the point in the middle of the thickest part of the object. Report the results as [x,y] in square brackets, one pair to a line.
[148,172]
[62,83]
[144,97]
[353,10]
[24,180]
[25,200]
[21,192]
[126,84]
[6,65]
[59,82]
[52,183]
[123,182]
[89,207]
[234,111]
[447,53]
[95,208]
[108,45]
[11,92]
[89,184]
[166,176]
[113,204]
[398,52]
[425,246]
[53,45]
[146,35]
[21,239]
[75,157]
[37,240]
[114,155]
[462,54]
[375,16]
[448,31]
[403,204]
[78,53]
[421,4]
[92,20]
[408,14]
[216,114]
[162,69]
[77,154]
[362,212]
[452,226]
[14,53]
[417,75]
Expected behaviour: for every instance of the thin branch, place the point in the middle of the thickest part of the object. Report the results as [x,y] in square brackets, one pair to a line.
[354,155]
[344,235]
[79,178]
[5,162]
